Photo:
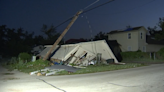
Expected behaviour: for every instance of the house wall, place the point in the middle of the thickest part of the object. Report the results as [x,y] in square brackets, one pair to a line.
[142,39]
[122,39]
[153,47]
[136,42]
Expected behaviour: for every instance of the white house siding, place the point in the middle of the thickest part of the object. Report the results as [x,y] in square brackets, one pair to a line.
[153,47]
[133,44]
[142,41]
[122,39]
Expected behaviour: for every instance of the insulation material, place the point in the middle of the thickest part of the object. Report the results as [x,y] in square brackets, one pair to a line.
[86,58]
[78,55]
[64,52]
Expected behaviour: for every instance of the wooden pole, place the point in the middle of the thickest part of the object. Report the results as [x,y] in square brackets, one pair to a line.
[62,35]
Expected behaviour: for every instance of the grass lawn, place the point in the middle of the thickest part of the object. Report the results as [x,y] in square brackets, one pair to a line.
[27,67]
[40,64]
[103,68]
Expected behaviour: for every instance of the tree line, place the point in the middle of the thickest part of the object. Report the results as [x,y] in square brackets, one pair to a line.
[14,41]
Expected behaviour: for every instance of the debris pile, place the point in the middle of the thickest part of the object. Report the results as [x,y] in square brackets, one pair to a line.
[72,57]
[80,54]
[46,72]
[55,69]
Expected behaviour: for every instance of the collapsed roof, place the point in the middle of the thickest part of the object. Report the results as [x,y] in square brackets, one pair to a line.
[81,53]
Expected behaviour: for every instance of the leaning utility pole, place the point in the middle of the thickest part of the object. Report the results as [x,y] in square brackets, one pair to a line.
[70,24]
[62,35]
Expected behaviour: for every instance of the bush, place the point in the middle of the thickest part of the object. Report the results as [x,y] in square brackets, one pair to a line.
[24,56]
[160,54]
[41,62]
[134,55]
[34,66]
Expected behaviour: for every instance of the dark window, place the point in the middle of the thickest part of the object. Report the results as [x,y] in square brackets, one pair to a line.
[141,35]
[129,35]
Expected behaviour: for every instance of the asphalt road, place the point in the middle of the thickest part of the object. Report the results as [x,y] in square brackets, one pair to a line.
[141,79]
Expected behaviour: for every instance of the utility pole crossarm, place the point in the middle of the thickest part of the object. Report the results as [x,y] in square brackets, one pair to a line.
[62,35]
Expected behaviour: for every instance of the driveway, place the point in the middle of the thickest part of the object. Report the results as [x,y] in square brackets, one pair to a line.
[16,81]
[141,79]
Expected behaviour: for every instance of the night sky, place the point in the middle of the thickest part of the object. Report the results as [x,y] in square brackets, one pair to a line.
[32,14]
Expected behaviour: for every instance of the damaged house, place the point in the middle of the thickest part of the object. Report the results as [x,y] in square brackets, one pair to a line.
[81,54]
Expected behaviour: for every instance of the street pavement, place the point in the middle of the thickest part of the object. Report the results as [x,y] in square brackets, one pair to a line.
[141,79]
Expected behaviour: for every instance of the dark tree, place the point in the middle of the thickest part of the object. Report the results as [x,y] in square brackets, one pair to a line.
[38,40]
[2,39]
[158,33]
[51,34]
[101,36]
[15,41]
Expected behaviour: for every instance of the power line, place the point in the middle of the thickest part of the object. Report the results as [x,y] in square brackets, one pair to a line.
[130,9]
[72,16]
[97,6]
[91,4]
[63,22]
[86,11]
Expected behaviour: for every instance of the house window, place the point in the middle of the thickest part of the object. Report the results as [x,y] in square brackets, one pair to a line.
[141,35]
[129,48]
[129,35]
